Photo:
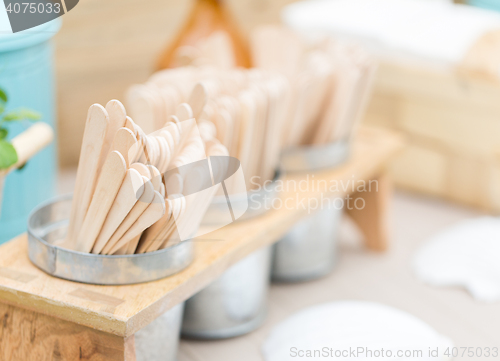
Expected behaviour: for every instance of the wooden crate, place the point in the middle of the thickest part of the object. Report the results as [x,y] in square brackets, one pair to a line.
[452,123]
[46,318]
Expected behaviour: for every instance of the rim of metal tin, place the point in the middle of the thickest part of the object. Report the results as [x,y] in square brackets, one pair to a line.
[315,157]
[217,209]
[95,268]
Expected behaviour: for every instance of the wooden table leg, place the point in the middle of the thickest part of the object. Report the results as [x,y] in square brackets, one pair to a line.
[30,336]
[372,219]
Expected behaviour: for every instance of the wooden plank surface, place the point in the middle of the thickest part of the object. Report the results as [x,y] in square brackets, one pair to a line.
[123,310]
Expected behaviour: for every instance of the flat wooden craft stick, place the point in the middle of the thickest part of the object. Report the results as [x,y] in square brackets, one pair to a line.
[184,112]
[198,99]
[136,211]
[151,215]
[86,176]
[151,234]
[132,245]
[130,191]
[126,143]
[117,119]
[155,177]
[160,234]
[110,181]
[142,169]
[171,231]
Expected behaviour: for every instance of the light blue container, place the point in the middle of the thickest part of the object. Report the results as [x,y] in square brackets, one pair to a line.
[486,4]
[26,74]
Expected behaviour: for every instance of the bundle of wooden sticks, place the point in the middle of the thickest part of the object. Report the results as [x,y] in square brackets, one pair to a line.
[330,82]
[245,111]
[123,201]
[300,93]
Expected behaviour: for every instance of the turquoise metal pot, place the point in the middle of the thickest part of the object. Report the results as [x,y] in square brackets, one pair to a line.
[26,74]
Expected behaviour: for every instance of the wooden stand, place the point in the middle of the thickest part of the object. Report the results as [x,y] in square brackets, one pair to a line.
[46,318]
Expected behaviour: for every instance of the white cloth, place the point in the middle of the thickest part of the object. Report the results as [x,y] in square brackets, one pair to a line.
[466,255]
[432,30]
[353,324]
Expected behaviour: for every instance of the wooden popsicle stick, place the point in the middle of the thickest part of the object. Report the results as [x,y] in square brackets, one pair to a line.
[136,211]
[259,141]
[130,191]
[159,235]
[166,155]
[172,128]
[169,138]
[160,159]
[122,250]
[364,96]
[169,232]
[151,215]
[151,234]
[132,245]
[86,176]
[129,124]
[155,177]
[247,129]
[126,143]
[273,126]
[184,112]
[174,184]
[142,169]
[198,99]
[117,119]
[110,181]
[208,130]
[158,152]
[346,91]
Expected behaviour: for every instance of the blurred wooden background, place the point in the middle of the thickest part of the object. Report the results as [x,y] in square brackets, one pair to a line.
[105,46]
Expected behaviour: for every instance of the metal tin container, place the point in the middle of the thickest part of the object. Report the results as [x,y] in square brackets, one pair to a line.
[160,339]
[234,304]
[48,224]
[308,159]
[308,250]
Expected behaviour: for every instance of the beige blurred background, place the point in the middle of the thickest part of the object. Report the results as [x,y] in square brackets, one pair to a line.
[105,46]
[450,116]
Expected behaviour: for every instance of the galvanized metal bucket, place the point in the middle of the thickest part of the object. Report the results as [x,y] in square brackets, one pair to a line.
[48,224]
[160,339]
[234,304]
[308,250]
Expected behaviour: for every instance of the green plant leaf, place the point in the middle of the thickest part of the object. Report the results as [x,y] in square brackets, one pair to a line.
[8,154]
[21,114]
[2,108]
[3,96]
[3,133]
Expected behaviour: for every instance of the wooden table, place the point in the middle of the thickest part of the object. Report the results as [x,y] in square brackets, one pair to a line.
[46,318]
